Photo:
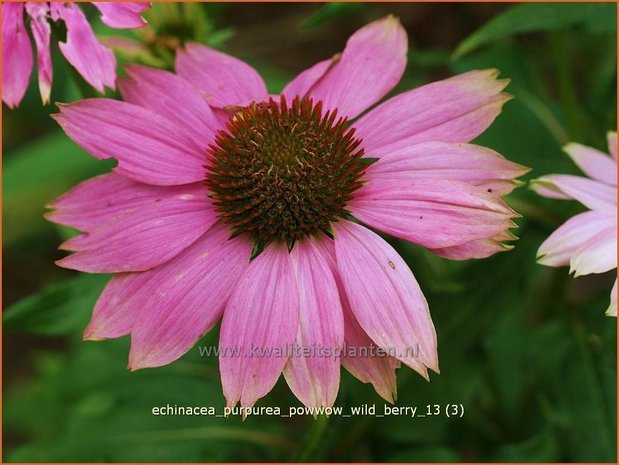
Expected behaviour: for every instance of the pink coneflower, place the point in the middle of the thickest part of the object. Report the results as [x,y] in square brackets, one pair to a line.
[213,171]
[93,61]
[588,241]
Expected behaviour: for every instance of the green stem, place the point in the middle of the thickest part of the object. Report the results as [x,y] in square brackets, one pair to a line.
[316,433]
[567,91]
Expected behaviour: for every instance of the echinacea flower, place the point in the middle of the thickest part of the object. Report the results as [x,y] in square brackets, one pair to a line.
[228,204]
[586,242]
[95,63]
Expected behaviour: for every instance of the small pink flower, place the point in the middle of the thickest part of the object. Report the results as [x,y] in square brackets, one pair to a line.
[284,179]
[93,61]
[588,241]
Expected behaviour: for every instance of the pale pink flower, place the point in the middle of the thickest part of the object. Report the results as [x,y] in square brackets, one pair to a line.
[89,57]
[588,241]
[286,175]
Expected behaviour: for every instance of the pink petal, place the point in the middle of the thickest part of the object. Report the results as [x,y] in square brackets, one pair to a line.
[225,80]
[431,213]
[612,143]
[360,358]
[468,163]
[171,96]
[96,63]
[104,198]
[612,308]
[142,238]
[126,297]
[478,248]
[122,15]
[41,32]
[149,147]
[182,300]
[593,163]
[315,377]
[385,297]
[111,317]
[597,255]
[592,194]
[259,326]
[301,85]
[562,244]
[455,110]
[371,65]
[16,54]
[548,190]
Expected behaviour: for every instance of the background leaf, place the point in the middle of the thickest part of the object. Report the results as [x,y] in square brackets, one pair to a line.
[528,17]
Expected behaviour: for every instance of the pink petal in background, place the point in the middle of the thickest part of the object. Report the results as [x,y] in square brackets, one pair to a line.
[41,32]
[95,63]
[16,54]
[122,15]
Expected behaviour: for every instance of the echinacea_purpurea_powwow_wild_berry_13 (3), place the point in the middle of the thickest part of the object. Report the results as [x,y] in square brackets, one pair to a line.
[230,204]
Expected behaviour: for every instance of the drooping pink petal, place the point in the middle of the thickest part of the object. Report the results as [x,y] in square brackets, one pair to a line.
[122,15]
[41,32]
[95,63]
[361,357]
[592,194]
[385,297]
[598,254]
[126,297]
[431,213]
[370,66]
[612,143]
[225,80]
[468,163]
[612,308]
[593,163]
[182,300]
[171,96]
[314,376]
[563,243]
[16,54]
[478,248]
[301,84]
[111,318]
[149,147]
[454,110]
[143,238]
[259,326]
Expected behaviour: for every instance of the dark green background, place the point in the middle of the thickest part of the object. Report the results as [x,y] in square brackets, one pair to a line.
[526,349]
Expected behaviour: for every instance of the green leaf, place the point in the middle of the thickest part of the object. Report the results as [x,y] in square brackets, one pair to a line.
[529,17]
[541,447]
[331,12]
[35,175]
[60,308]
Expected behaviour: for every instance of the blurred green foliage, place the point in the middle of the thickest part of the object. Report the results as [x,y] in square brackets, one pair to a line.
[526,349]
